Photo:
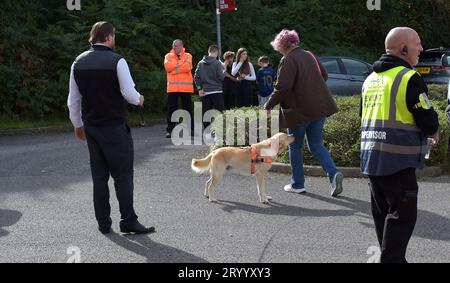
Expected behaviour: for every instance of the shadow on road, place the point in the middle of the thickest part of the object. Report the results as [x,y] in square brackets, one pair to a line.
[429,225]
[283,209]
[8,218]
[154,252]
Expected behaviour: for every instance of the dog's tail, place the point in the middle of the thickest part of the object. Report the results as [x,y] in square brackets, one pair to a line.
[201,165]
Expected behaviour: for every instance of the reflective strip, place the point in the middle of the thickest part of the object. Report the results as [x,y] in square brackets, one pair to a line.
[394,92]
[388,124]
[178,83]
[392,148]
[424,102]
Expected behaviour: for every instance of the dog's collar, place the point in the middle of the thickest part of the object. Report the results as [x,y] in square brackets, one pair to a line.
[256,159]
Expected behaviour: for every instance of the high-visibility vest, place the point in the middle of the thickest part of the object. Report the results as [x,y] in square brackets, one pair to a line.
[390,139]
[179,72]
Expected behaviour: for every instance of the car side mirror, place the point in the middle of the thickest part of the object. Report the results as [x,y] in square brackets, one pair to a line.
[445,60]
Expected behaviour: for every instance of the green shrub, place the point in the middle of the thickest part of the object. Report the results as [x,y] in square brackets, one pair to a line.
[247,120]
[438,92]
[40,39]
[342,135]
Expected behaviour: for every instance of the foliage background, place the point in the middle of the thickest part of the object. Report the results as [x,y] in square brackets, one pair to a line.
[40,39]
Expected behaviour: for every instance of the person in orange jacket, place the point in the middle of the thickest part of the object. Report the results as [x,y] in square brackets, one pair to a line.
[178,65]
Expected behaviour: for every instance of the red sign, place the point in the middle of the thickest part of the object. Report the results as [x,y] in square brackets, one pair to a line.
[226,6]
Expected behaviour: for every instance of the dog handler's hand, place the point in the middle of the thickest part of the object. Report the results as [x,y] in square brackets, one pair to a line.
[141,101]
[267,108]
[436,138]
[80,134]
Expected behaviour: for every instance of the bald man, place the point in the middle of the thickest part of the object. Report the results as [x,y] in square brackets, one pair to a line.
[180,82]
[397,120]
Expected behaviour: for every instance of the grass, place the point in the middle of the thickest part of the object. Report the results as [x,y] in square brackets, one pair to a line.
[14,123]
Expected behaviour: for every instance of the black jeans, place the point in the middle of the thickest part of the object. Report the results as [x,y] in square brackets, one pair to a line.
[172,105]
[244,94]
[212,101]
[394,210]
[111,153]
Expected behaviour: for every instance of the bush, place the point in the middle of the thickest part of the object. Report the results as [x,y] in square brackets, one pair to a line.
[40,39]
[438,92]
[342,135]
[246,118]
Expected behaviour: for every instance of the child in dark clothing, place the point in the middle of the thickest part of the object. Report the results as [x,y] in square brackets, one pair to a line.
[265,78]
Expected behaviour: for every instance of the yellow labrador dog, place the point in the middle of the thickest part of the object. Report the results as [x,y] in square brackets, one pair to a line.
[256,159]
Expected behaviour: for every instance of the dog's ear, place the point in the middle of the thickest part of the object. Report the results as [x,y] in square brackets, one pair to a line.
[266,144]
[278,143]
[282,144]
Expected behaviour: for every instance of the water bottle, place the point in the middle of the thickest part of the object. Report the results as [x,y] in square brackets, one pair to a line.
[430,143]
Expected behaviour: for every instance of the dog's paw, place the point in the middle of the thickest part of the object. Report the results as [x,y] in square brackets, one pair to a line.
[212,200]
[206,196]
[269,198]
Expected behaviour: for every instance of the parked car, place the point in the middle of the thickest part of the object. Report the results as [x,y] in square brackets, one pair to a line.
[434,66]
[345,75]
[448,95]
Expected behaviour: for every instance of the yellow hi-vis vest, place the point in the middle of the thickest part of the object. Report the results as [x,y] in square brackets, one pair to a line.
[390,139]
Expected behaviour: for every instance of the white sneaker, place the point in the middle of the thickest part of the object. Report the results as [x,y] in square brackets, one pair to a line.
[336,185]
[289,189]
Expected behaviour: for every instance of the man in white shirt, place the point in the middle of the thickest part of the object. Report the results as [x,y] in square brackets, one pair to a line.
[100,89]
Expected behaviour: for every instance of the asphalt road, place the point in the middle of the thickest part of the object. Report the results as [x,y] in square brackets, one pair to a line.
[46,211]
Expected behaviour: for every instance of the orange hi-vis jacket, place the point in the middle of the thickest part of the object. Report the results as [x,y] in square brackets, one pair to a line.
[179,72]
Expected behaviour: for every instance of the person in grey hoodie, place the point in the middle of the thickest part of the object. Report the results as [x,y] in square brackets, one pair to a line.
[208,79]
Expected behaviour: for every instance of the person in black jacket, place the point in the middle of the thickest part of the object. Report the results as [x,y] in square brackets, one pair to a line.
[100,89]
[390,160]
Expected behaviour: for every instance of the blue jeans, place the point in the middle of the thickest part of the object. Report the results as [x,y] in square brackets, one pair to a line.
[314,136]
[262,100]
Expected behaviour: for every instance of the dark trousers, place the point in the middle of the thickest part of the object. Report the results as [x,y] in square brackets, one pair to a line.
[244,94]
[394,210]
[111,153]
[172,105]
[212,101]
[229,94]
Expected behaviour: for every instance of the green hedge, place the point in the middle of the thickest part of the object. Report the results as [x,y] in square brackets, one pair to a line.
[342,135]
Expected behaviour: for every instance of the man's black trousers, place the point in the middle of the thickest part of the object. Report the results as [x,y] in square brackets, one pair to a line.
[394,210]
[112,154]
[172,106]
[212,101]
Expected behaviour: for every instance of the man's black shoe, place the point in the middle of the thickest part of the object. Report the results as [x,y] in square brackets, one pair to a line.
[136,228]
[168,135]
[104,230]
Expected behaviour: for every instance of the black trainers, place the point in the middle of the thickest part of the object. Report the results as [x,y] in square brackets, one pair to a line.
[136,228]
[104,229]
[168,135]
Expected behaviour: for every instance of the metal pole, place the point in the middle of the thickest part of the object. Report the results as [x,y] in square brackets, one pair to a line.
[219,37]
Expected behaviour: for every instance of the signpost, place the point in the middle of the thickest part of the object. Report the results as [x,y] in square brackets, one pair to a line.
[223,6]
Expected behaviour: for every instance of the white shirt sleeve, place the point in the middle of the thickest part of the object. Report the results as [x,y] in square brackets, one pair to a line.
[126,83]
[235,69]
[74,101]
[252,76]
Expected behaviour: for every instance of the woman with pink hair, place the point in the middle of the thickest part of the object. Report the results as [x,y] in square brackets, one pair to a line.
[305,103]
